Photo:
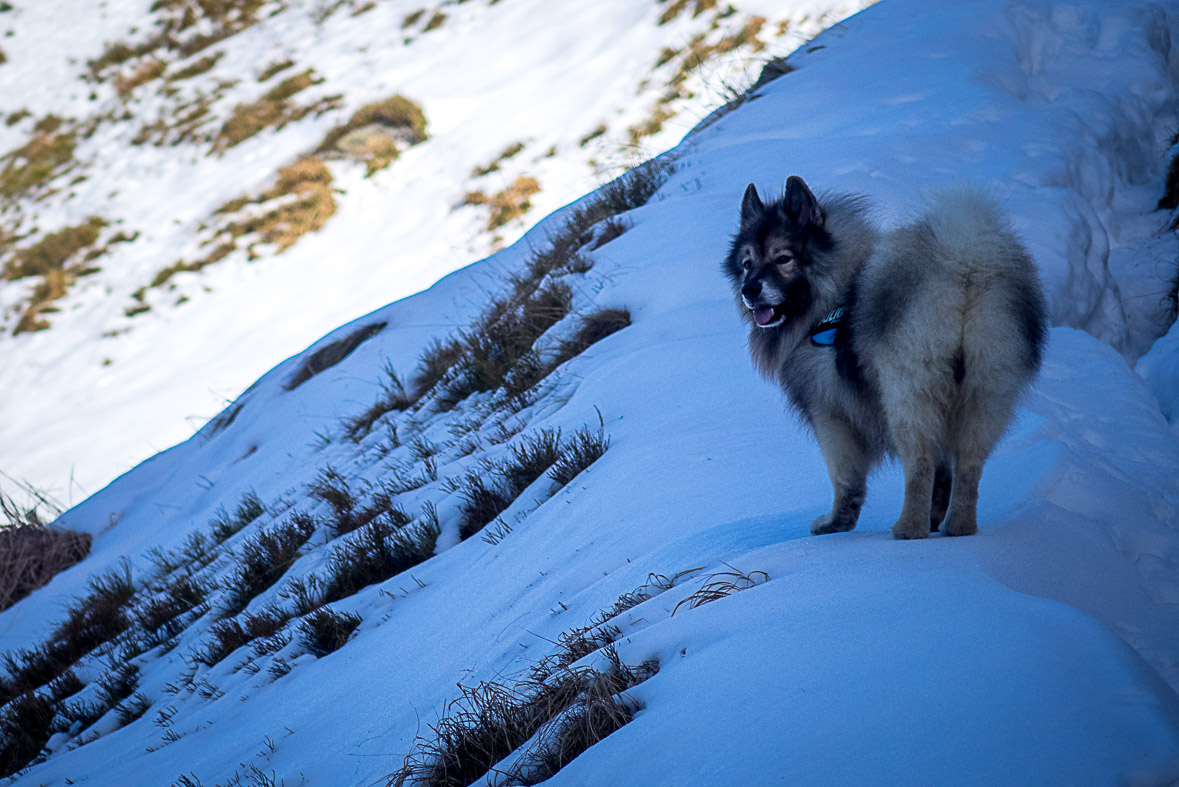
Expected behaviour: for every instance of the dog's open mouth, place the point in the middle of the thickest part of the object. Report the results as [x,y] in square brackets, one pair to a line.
[768,316]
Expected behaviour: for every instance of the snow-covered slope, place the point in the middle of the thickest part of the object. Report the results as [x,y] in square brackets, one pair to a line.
[1041,651]
[126,368]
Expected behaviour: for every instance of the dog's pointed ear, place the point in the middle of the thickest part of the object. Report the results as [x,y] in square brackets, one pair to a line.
[751,207]
[800,205]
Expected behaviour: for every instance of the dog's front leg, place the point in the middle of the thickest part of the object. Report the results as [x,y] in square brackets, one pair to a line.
[848,461]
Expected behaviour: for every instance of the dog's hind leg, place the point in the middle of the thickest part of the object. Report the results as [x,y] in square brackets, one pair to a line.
[848,462]
[919,466]
[983,416]
[941,495]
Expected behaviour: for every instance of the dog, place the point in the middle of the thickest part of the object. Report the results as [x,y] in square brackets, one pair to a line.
[915,343]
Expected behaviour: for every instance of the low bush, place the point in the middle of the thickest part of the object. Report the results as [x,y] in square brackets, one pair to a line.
[562,716]
[325,631]
[25,727]
[32,553]
[225,525]
[264,558]
[393,398]
[577,454]
[378,551]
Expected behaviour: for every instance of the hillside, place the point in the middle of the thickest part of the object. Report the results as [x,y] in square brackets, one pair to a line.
[554,479]
[157,251]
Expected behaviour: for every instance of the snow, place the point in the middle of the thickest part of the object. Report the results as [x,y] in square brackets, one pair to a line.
[1042,651]
[492,75]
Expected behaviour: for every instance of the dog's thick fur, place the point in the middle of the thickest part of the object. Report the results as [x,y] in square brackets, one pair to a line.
[944,328]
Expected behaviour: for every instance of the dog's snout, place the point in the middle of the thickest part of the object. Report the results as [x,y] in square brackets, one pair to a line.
[752,289]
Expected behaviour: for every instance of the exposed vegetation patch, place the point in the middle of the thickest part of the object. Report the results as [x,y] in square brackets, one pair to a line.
[497,350]
[264,558]
[28,170]
[701,49]
[529,460]
[380,550]
[92,620]
[325,631]
[509,204]
[331,354]
[274,109]
[145,72]
[511,151]
[182,28]
[31,555]
[58,260]
[31,551]
[301,201]
[545,721]
[25,727]
[376,133]
[197,67]
[393,398]
[272,69]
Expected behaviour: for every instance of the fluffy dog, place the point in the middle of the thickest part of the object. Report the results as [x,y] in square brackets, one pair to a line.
[915,343]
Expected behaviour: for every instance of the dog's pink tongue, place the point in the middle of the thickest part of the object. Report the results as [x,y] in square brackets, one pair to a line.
[763,316]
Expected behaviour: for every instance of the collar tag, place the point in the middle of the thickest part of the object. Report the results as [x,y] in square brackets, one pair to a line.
[823,334]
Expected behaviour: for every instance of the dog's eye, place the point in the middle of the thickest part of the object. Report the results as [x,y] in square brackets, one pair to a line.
[783,259]
[747,263]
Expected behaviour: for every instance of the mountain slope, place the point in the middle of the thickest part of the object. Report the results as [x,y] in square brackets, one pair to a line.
[128,117]
[1041,651]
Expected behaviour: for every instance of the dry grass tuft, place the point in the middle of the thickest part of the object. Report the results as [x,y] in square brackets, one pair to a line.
[583,450]
[567,713]
[29,168]
[263,559]
[325,631]
[58,260]
[376,133]
[25,727]
[507,205]
[225,525]
[197,67]
[274,109]
[393,398]
[379,551]
[329,355]
[145,72]
[722,585]
[32,552]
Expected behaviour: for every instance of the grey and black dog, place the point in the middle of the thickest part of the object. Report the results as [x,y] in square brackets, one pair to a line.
[916,342]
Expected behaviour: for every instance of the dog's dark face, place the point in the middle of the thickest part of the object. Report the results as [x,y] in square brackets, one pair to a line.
[770,257]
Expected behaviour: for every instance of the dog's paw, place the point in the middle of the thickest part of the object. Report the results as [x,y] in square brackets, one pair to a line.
[910,528]
[829,524]
[959,525]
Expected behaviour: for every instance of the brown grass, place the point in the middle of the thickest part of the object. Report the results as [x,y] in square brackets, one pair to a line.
[722,585]
[506,205]
[32,552]
[274,109]
[57,259]
[274,68]
[30,167]
[145,72]
[197,68]
[397,113]
[308,181]
[509,152]
[567,713]
[330,355]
